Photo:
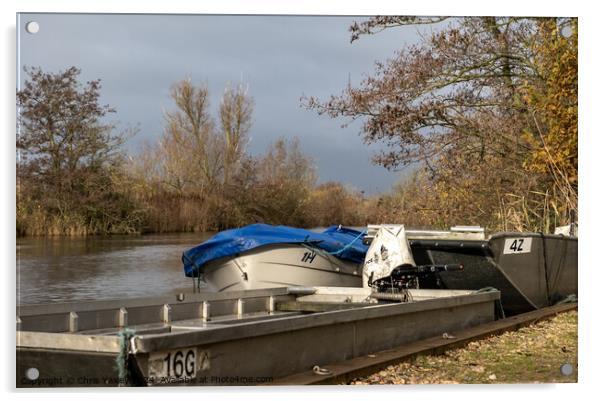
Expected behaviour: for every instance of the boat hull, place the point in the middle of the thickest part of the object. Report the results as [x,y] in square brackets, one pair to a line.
[530,278]
[228,338]
[281,265]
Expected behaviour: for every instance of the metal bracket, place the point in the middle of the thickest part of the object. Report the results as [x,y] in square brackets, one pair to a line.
[271,304]
[123,317]
[73,322]
[240,307]
[205,311]
[166,313]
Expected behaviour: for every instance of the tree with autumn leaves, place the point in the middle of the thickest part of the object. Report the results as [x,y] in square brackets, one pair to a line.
[486,107]
[552,102]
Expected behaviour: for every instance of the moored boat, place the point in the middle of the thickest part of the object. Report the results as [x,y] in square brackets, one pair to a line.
[228,338]
[532,270]
[264,256]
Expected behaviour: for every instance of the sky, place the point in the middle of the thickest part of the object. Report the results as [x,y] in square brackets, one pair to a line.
[280,58]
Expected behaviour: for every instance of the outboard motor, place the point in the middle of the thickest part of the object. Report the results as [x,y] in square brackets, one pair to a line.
[407,276]
[390,266]
[388,249]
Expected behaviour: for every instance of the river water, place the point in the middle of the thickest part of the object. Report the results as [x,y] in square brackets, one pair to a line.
[92,268]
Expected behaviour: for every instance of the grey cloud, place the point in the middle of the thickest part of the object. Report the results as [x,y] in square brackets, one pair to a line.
[138,58]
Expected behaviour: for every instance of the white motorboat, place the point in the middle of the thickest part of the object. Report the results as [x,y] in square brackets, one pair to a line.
[263,256]
[281,265]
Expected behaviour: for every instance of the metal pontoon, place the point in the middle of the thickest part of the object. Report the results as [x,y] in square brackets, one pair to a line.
[248,337]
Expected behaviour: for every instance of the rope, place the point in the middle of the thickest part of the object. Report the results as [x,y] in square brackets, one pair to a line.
[343,249]
[332,260]
[198,282]
[569,299]
[321,371]
[499,309]
[125,336]
[545,267]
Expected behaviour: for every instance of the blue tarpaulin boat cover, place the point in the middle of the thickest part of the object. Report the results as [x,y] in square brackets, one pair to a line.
[344,243]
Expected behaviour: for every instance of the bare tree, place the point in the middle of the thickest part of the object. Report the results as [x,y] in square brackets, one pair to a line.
[285,177]
[235,114]
[190,156]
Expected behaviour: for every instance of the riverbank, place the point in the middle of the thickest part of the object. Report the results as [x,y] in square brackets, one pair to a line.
[532,354]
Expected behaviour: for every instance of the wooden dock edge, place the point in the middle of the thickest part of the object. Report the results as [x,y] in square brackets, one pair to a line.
[343,372]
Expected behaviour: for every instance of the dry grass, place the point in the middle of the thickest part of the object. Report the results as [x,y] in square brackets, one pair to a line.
[532,354]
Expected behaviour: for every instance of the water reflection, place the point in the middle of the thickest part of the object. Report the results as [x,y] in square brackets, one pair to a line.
[66,269]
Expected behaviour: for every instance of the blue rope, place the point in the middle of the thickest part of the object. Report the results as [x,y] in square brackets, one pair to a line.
[124,347]
[343,249]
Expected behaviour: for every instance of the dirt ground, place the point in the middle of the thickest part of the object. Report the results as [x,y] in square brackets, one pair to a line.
[533,354]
